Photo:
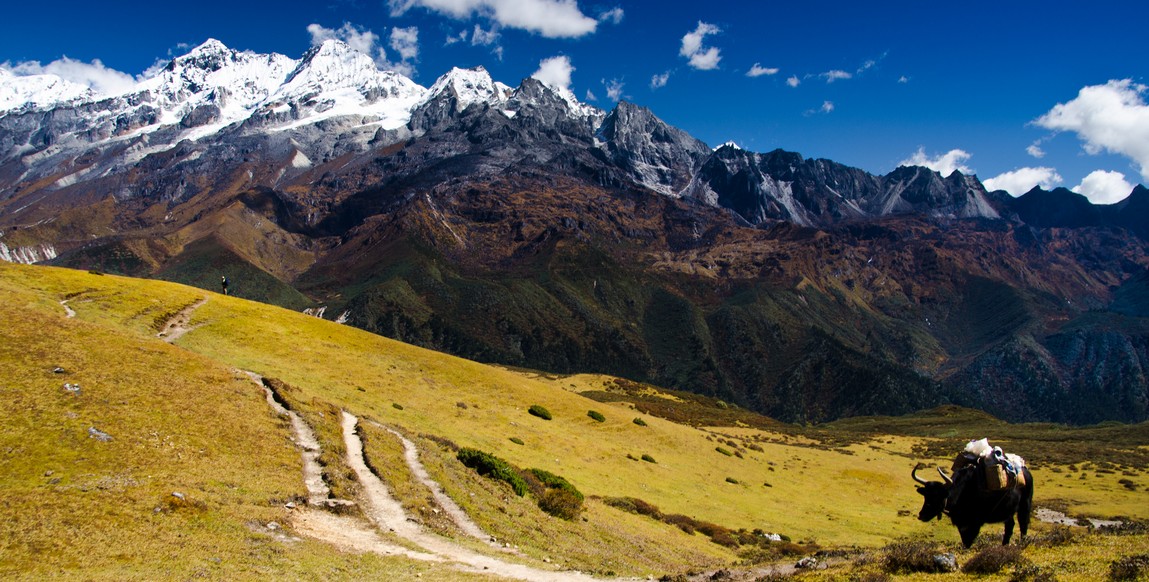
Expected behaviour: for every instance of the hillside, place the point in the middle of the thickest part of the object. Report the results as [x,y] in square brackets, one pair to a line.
[521,227]
[90,474]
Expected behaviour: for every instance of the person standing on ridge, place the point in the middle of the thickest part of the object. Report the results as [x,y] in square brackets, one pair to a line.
[223,283]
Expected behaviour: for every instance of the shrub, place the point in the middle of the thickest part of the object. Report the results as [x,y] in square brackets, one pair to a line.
[596,415]
[993,559]
[1130,568]
[517,440]
[634,505]
[911,556]
[561,503]
[396,406]
[640,422]
[539,411]
[649,459]
[724,451]
[555,494]
[732,480]
[491,466]
[1032,573]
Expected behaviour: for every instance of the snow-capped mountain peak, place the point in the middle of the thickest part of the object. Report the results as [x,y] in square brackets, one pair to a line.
[38,91]
[469,86]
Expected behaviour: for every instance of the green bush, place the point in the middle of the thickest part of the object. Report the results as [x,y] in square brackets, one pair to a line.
[555,494]
[640,422]
[596,415]
[491,466]
[396,406]
[517,440]
[649,459]
[732,480]
[539,411]
[560,503]
[724,451]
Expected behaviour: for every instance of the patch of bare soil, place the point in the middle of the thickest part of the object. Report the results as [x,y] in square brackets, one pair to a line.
[179,324]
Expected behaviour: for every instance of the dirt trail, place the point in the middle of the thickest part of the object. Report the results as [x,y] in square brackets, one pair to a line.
[305,439]
[452,509]
[177,326]
[68,311]
[387,514]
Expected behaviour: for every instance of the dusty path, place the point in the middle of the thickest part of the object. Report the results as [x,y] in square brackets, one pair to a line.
[68,311]
[452,509]
[305,439]
[177,326]
[387,513]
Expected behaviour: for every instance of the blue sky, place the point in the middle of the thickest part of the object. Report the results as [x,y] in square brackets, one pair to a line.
[1019,92]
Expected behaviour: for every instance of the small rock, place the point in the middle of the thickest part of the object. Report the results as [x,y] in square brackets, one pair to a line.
[289,505]
[215,560]
[946,562]
[178,495]
[808,562]
[49,473]
[58,370]
[272,526]
[73,388]
[98,434]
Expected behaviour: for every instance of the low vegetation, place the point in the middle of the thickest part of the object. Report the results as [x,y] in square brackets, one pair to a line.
[692,510]
[539,411]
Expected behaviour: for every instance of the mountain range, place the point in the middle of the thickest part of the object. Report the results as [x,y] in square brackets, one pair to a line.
[516,225]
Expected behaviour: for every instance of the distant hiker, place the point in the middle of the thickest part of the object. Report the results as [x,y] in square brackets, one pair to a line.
[223,282]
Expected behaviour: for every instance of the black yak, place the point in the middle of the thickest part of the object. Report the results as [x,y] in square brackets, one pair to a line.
[971,503]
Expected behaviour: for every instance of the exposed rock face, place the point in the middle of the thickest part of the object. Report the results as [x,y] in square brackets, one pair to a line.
[517,225]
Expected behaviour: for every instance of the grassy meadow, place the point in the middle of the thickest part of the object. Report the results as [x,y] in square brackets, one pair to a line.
[184,419]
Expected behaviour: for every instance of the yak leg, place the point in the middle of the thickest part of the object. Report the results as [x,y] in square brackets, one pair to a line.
[969,534]
[1008,531]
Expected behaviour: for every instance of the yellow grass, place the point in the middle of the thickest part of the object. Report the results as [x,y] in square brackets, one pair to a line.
[184,420]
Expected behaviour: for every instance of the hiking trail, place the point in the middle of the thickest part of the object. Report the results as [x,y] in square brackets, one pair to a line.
[178,325]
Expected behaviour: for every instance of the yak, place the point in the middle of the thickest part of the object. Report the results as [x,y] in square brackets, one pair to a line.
[970,504]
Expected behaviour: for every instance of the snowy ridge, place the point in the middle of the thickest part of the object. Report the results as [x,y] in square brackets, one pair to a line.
[469,86]
[38,91]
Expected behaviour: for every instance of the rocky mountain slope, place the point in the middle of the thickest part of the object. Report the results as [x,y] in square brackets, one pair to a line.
[519,226]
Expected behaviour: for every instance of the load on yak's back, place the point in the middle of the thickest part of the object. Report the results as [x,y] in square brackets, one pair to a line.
[1001,470]
[987,486]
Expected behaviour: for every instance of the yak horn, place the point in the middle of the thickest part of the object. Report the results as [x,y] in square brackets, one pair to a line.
[946,477]
[914,474]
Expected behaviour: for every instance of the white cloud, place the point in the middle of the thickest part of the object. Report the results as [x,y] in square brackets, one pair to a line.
[613,16]
[1112,117]
[1022,180]
[360,39]
[944,164]
[484,37]
[457,38]
[555,72]
[1102,187]
[590,96]
[1035,150]
[827,107]
[94,75]
[549,18]
[793,81]
[758,70]
[659,81]
[836,75]
[613,89]
[903,79]
[405,41]
[701,58]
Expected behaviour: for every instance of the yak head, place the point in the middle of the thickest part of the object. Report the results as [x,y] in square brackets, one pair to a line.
[935,493]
